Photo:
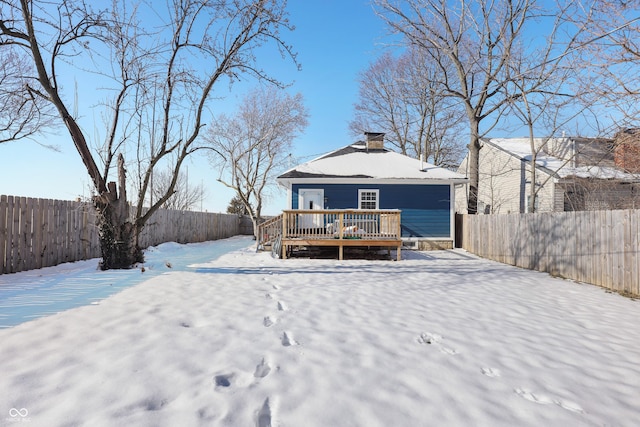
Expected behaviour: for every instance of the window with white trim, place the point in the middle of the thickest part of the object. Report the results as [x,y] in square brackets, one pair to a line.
[537,204]
[368,199]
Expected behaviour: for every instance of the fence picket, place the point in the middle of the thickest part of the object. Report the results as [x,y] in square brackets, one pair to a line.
[15,235]
[37,234]
[28,234]
[635,263]
[3,234]
[628,238]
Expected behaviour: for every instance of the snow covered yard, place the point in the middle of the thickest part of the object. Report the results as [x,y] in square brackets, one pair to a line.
[440,338]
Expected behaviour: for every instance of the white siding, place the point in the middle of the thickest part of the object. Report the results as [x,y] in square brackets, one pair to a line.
[461,201]
[504,186]
[501,181]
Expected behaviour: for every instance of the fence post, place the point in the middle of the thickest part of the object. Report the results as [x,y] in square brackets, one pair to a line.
[3,234]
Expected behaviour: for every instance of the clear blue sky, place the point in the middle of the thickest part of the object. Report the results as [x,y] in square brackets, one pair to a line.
[335,40]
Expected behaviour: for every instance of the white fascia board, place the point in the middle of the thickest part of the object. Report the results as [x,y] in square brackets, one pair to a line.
[288,183]
[285,183]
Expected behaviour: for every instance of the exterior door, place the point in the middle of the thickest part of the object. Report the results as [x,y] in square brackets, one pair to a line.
[311,199]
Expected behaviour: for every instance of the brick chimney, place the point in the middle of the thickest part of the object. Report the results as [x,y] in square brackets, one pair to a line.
[627,150]
[375,140]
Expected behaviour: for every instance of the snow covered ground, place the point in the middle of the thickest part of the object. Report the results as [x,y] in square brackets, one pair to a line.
[38,293]
[440,338]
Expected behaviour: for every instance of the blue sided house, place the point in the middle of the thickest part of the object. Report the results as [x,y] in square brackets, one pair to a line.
[366,175]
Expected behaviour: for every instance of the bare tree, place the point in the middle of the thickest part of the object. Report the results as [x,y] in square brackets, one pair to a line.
[610,43]
[23,113]
[164,75]
[438,118]
[471,42]
[254,144]
[402,97]
[380,104]
[186,196]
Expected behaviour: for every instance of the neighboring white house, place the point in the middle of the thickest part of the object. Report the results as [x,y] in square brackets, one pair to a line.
[571,174]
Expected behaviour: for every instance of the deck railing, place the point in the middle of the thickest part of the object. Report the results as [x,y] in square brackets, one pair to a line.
[269,231]
[341,224]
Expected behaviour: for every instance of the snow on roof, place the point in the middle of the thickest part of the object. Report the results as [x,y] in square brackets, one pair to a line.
[355,161]
[521,148]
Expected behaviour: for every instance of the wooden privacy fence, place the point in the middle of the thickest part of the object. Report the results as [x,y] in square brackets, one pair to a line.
[598,247]
[36,233]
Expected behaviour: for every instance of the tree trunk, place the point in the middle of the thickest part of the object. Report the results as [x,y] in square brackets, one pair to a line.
[256,219]
[534,155]
[474,168]
[118,236]
[256,223]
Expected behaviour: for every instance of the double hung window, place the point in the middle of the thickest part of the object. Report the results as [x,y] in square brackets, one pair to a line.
[368,199]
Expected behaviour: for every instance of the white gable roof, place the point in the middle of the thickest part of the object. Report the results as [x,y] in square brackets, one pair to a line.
[356,162]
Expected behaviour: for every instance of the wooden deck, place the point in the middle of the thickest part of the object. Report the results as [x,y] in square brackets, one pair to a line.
[339,228]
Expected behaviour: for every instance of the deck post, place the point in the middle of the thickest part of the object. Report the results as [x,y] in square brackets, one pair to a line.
[285,233]
[399,234]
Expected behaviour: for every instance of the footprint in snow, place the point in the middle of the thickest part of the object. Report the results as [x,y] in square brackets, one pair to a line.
[569,406]
[263,415]
[282,306]
[447,350]
[268,296]
[268,321]
[287,340]
[276,287]
[223,380]
[429,338]
[491,372]
[262,369]
[546,400]
[534,397]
